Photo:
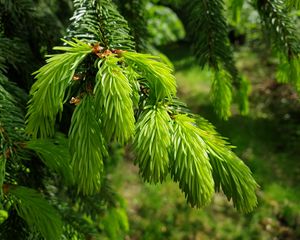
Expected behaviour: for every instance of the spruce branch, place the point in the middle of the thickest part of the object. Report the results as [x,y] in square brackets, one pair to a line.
[152,142]
[55,155]
[278,25]
[52,81]
[221,94]
[115,223]
[136,15]
[135,85]
[36,211]
[229,172]
[11,120]
[114,105]
[87,147]
[189,163]
[289,71]
[14,51]
[100,21]
[114,28]
[85,24]
[11,115]
[104,109]
[158,75]
[211,43]
[209,32]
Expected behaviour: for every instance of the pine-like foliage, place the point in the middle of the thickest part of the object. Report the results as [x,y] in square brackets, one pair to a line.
[114,28]
[278,25]
[158,75]
[87,147]
[29,204]
[221,93]
[113,94]
[55,155]
[208,30]
[85,22]
[11,120]
[37,212]
[52,81]
[152,142]
[136,15]
[43,164]
[104,107]
[229,172]
[100,21]
[9,48]
[11,114]
[190,165]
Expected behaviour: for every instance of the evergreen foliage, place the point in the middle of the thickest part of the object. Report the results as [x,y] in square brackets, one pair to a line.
[85,22]
[117,95]
[227,169]
[114,28]
[278,25]
[54,153]
[190,166]
[52,81]
[87,147]
[135,13]
[37,212]
[152,142]
[9,49]
[211,45]
[222,93]
[157,74]
[210,42]
[152,132]
[100,22]
[113,99]
[11,120]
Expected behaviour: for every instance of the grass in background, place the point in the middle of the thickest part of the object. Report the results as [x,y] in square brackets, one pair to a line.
[160,212]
